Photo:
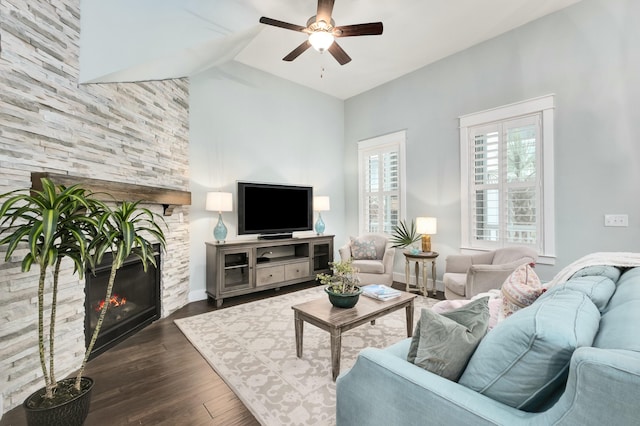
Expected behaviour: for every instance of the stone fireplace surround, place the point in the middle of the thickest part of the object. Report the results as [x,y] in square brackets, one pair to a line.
[19,357]
[135,133]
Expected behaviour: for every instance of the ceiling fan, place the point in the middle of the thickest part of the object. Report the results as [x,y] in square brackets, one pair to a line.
[322,32]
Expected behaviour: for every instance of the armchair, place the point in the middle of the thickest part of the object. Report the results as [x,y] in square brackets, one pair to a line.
[374,269]
[467,275]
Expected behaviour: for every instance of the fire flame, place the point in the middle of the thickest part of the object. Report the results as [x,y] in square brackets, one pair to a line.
[114,302]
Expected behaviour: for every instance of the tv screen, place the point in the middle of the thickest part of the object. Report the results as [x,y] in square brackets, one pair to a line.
[274,209]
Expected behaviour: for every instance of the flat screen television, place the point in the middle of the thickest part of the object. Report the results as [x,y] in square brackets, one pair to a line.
[273,210]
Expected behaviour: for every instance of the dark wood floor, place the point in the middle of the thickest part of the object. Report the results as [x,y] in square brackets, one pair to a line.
[156,377]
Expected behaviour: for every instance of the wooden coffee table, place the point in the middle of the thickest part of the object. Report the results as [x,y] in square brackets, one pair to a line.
[323,315]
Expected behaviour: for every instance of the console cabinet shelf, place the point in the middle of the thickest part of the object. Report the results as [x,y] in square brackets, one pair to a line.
[246,266]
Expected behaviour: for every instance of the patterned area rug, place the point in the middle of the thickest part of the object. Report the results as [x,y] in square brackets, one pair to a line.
[252,347]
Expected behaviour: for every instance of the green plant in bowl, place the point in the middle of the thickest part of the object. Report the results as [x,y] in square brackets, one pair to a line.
[343,280]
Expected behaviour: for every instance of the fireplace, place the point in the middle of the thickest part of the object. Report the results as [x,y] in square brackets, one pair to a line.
[135,301]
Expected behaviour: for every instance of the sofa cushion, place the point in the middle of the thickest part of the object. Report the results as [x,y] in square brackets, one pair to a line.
[611,272]
[369,266]
[598,288]
[520,290]
[622,310]
[511,254]
[443,343]
[526,357]
[362,248]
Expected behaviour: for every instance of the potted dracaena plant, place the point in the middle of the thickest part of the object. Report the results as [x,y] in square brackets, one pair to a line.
[342,285]
[58,223]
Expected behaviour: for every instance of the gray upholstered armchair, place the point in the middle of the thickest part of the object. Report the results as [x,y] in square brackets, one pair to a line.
[467,275]
[377,267]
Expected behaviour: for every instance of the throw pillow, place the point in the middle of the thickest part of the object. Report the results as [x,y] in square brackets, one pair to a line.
[362,249]
[525,358]
[495,305]
[520,290]
[443,343]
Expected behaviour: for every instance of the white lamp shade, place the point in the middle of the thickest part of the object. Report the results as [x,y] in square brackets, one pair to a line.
[219,202]
[321,204]
[426,225]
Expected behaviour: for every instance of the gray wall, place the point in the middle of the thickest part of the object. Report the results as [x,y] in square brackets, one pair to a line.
[249,125]
[587,55]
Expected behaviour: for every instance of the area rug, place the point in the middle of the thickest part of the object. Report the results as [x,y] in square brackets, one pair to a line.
[252,347]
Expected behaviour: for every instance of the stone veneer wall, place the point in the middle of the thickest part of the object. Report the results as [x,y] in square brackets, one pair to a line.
[131,132]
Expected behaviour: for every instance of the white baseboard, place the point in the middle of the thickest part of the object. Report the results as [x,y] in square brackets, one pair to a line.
[197,295]
[400,277]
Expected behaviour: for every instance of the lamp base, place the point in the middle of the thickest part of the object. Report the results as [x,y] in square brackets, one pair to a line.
[220,231]
[426,243]
[319,227]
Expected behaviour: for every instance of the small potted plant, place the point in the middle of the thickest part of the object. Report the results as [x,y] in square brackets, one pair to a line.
[58,223]
[404,235]
[342,285]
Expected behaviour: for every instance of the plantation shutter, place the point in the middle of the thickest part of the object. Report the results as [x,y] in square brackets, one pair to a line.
[381,195]
[505,183]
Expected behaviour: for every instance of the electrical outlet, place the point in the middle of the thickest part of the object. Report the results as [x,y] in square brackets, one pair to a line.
[616,220]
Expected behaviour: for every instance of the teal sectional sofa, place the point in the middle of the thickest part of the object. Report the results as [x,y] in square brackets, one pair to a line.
[571,358]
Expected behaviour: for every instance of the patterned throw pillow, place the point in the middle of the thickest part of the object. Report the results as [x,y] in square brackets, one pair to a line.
[520,290]
[362,249]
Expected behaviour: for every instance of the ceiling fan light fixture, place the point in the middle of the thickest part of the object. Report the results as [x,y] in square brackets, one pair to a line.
[322,31]
[321,40]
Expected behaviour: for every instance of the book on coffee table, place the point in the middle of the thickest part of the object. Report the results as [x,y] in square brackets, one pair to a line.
[380,291]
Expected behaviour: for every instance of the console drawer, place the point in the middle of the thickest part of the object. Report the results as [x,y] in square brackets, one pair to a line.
[294,271]
[269,275]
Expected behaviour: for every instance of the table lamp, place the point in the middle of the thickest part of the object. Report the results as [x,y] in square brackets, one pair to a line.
[320,204]
[219,202]
[426,226]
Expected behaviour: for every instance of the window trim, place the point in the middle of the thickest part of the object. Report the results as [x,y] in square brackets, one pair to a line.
[396,139]
[544,105]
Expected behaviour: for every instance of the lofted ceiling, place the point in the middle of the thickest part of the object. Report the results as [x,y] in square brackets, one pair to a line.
[142,40]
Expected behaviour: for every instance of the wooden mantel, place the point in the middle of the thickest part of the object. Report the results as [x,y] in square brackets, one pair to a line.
[105,190]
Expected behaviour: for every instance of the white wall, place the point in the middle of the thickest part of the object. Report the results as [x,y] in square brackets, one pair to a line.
[588,56]
[249,125]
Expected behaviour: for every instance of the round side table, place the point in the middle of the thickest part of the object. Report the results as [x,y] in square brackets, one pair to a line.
[421,257]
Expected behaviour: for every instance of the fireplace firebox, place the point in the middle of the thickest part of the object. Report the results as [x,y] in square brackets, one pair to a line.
[134,304]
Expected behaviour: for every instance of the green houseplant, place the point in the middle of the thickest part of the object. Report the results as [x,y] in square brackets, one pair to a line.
[58,223]
[403,235]
[342,285]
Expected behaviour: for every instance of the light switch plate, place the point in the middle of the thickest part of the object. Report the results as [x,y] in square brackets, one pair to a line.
[616,220]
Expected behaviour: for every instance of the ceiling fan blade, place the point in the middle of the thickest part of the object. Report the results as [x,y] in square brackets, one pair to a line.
[338,53]
[325,8]
[281,24]
[372,28]
[297,51]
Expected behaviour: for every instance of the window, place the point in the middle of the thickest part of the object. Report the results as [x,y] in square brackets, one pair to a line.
[507,177]
[381,182]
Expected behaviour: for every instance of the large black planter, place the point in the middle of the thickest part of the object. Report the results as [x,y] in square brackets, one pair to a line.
[69,413]
[340,300]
